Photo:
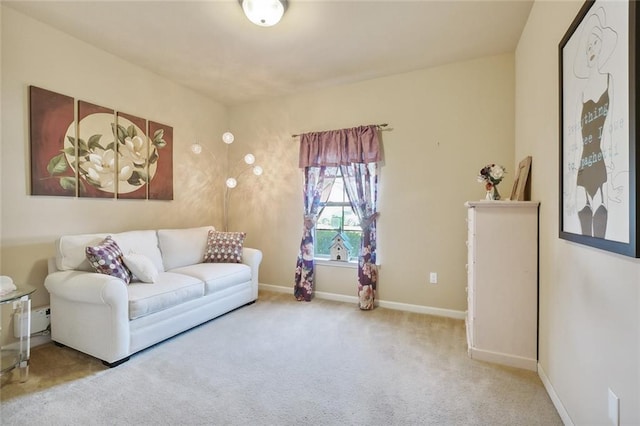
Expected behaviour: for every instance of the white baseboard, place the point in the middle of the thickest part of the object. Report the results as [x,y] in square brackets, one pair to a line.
[504,359]
[276,288]
[419,309]
[449,313]
[564,415]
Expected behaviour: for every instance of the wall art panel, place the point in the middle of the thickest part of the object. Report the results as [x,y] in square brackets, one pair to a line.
[96,151]
[52,132]
[160,162]
[133,157]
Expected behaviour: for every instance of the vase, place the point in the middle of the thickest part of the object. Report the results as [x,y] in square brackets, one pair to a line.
[492,194]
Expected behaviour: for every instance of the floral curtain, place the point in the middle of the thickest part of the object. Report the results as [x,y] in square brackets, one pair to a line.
[361,184]
[357,151]
[317,187]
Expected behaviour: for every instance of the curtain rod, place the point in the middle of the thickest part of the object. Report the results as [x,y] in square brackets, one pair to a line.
[377,125]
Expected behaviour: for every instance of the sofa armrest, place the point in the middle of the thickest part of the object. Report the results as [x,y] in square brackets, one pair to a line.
[90,313]
[87,287]
[252,257]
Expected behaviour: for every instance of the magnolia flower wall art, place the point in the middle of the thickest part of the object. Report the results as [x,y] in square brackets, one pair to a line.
[114,155]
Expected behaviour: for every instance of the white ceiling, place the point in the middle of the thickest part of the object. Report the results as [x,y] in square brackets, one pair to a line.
[211,47]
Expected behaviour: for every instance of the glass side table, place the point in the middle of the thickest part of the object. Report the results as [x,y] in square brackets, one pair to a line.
[18,357]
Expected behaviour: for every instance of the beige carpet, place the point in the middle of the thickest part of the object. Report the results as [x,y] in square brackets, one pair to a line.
[282,362]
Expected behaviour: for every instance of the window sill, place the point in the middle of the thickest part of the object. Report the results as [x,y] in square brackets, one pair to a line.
[336,263]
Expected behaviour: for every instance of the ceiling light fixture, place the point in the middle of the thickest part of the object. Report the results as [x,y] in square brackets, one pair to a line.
[265,13]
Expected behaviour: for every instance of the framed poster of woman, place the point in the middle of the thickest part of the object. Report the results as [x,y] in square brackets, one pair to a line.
[598,116]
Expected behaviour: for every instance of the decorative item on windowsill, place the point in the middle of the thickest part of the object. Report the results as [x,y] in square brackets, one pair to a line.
[232,179]
[491,175]
[340,248]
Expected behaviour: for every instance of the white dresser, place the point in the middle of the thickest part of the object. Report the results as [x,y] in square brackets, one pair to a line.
[502,282]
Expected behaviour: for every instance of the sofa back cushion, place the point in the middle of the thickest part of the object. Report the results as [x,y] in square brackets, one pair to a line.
[141,242]
[182,247]
[70,249]
[71,254]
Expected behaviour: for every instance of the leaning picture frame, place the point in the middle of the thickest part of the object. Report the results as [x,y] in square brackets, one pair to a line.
[521,190]
[598,128]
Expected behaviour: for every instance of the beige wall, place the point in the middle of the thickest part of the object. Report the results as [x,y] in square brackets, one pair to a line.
[35,54]
[589,298]
[446,123]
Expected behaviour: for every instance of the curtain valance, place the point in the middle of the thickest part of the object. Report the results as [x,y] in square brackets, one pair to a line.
[340,147]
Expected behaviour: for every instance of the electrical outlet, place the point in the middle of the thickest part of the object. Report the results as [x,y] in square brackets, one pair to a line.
[433,277]
[614,408]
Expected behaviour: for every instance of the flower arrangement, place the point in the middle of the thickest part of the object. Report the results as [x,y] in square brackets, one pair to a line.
[491,175]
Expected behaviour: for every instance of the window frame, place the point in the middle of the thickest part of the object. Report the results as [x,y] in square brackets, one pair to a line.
[353,259]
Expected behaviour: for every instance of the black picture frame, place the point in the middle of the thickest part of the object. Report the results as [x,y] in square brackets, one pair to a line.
[598,202]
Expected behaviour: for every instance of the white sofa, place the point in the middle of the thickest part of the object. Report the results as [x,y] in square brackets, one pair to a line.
[102,316]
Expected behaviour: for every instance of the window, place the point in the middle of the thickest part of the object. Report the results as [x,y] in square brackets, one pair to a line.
[336,215]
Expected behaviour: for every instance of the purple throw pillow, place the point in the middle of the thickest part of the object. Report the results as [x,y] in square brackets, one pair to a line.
[106,258]
[224,247]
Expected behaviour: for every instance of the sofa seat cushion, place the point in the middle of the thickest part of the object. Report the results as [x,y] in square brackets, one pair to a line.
[217,276]
[169,289]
